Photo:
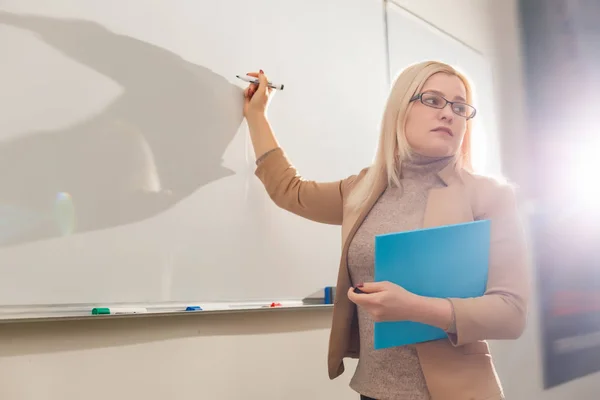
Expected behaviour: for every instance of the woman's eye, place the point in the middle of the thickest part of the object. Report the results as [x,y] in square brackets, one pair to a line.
[434,101]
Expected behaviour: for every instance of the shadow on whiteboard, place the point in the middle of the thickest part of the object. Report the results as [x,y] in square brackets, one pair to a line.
[159,141]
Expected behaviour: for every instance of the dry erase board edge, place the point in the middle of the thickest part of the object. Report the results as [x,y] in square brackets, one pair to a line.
[71,314]
[431,25]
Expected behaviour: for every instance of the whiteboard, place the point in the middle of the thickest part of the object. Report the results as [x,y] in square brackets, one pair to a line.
[412,40]
[126,169]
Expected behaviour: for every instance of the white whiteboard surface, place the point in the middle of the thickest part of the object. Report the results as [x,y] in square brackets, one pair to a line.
[126,170]
[412,40]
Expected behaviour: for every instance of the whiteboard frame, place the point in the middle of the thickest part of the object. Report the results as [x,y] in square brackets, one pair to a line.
[81,312]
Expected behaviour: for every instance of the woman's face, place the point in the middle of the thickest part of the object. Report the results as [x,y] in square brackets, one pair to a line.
[438,132]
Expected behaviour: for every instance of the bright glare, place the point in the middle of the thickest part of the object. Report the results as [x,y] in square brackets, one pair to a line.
[584,169]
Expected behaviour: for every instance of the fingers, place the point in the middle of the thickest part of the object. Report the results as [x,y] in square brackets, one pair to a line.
[255,74]
[367,300]
[373,287]
[360,296]
[253,87]
[262,79]
[354,297]
[262,87]
[250,90]
[249,93]
[263,82]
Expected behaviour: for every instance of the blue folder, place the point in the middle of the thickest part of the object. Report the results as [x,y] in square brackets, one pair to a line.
[446,261]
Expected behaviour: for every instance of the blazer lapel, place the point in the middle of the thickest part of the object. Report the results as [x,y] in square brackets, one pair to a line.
[355,222]
[362,214]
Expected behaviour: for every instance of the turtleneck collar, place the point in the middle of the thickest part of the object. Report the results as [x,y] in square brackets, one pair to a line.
[420,166]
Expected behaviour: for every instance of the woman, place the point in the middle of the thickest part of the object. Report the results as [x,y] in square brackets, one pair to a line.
[420,178]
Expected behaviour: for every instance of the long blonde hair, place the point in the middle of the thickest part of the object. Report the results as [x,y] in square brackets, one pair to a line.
[393,147]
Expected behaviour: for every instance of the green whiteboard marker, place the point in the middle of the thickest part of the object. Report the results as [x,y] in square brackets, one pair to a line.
[118,310]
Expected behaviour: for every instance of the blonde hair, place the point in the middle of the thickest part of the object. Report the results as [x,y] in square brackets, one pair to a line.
[393,147]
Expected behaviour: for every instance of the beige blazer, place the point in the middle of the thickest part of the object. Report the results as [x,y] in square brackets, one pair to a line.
[459,367]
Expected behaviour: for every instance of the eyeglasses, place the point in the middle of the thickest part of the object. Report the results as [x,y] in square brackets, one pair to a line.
[436,101]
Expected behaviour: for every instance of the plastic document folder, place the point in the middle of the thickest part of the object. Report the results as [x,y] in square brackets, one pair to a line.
[446,261]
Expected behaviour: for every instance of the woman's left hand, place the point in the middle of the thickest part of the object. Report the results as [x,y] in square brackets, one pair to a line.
[386,301]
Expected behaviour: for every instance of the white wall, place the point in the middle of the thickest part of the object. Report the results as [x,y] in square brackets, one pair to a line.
[194,357]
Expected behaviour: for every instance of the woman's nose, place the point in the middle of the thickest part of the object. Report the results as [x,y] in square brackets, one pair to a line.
[446,113]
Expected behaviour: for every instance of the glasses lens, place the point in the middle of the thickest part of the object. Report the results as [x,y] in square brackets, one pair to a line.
[433,100]
[464,110]
[437,101]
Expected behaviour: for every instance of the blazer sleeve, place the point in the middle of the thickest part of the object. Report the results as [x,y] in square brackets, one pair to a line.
[500,314]
[316,201]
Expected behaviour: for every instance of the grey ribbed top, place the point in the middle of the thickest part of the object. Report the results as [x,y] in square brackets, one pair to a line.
[393,373]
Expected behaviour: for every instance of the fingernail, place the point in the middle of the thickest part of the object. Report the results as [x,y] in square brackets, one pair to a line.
[261,71]
[360,285]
